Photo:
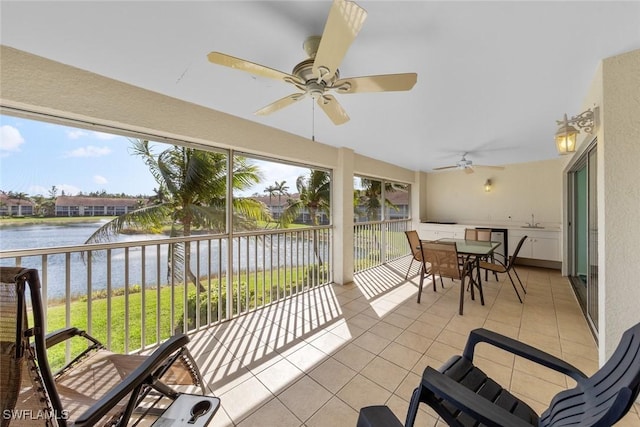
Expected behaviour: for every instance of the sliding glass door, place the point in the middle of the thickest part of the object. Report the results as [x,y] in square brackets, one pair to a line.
[583,233]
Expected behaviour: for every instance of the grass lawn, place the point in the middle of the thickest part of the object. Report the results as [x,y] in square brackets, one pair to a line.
[252,292]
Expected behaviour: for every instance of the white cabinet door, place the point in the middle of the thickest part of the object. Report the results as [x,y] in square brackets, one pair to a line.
[440,231]
[546,248]
[543,245]
[514,239]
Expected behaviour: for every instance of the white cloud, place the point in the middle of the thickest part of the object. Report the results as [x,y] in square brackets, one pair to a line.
[89,151]
[98,179]
[10,140]
[103,136]
[76,133]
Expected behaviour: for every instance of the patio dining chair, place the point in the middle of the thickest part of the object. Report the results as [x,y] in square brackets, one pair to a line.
[463,395]
[444,260]
[497,266]
[426,269]
[97,387]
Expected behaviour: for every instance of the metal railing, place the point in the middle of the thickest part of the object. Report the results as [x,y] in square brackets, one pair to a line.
[132,295]
[378,242]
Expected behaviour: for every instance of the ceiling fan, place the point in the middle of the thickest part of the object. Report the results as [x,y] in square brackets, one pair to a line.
[319,74]
[467,165]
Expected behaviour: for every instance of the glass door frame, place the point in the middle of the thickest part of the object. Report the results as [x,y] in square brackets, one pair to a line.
[583,160]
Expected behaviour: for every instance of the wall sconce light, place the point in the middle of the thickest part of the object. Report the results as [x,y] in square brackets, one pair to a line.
[487,185]
[566,135]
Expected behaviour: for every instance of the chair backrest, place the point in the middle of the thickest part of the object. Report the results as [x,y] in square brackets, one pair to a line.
[36,390]
[443,257]
[607,396]
[512,260]
[414,244]
[483,234]
[470,234]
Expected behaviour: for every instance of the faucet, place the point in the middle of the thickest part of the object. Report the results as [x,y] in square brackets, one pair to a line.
[533,224]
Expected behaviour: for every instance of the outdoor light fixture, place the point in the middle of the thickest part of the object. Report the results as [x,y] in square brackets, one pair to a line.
[487,186]
[567,134]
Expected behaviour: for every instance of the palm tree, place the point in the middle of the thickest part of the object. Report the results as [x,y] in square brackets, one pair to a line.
[271,191]
[314,193]
[193,186]
[282,190]
[369,198]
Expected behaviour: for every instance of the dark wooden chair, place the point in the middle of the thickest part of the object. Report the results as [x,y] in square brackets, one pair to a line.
[464,396]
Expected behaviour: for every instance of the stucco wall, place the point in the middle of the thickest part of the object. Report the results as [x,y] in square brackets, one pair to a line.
[518,191]
[619,176]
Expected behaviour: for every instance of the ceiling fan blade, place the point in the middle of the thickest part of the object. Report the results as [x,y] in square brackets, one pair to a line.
[280,103]
[445,167]
[333,109]
[248,66]
[343,24]
[489,167]
[381,83]
[468,170]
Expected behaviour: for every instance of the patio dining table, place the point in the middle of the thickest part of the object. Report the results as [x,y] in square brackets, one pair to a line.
[474,251]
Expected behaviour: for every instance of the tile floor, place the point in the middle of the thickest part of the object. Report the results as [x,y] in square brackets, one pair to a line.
[316,359]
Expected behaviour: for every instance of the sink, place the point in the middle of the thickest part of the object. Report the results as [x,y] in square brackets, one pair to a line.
[532,226]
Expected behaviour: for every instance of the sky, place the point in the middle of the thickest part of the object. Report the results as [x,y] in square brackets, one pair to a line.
[35,156]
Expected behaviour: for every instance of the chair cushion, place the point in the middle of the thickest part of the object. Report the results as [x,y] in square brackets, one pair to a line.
[463,371]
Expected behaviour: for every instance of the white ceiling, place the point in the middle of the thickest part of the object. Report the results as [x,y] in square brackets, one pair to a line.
[492,76]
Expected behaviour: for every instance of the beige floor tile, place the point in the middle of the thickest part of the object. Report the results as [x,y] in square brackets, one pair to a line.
[533,387]
[384,373]
[332,374]
[354,357]
[441,352]
[372,342]
[316,358]
[414,341]
[306,357]
[453,339]
[425,329]
[400,355]
[386,330]
[279,376]
[305,397]
[361,391]
[334,413]
[540,371]
[273,413]
[329,343]
[406,387]
[237,403]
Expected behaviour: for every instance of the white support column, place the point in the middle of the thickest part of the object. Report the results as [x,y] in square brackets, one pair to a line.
[342,208]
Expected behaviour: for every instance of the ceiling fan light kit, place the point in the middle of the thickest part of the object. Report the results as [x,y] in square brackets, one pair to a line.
[318,75]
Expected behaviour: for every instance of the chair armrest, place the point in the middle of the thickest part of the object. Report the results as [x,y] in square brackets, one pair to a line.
[140,376]
[523,350]
[469,402]
[61,335]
